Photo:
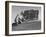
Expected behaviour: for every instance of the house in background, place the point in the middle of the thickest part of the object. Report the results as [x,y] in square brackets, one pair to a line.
[31,14]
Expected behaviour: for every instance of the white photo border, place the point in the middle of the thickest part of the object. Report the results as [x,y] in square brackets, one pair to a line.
[26,31]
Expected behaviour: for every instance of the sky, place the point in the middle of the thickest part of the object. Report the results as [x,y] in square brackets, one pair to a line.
[18,9]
